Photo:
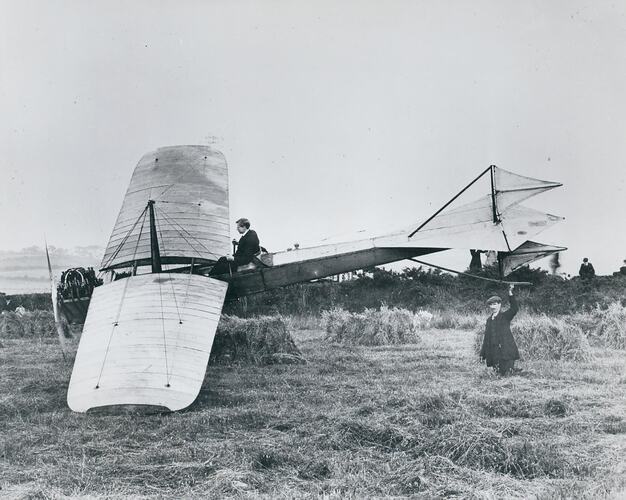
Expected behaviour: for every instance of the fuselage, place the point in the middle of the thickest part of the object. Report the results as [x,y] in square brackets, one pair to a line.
[274,270]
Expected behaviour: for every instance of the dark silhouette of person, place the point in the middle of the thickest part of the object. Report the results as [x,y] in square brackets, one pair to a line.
[247,247]
[475,263]
[622,270]
[499,349]
[586,270]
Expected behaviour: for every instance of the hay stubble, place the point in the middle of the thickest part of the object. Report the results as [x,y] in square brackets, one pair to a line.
[420,419]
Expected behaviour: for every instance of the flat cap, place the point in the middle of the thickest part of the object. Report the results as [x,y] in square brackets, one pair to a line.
[494,299]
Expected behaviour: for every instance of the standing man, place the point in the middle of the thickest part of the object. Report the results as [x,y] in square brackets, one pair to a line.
[499,349]
[586,270]
[247,247]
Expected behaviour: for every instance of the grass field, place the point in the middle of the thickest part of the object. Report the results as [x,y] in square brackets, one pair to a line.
[422,420]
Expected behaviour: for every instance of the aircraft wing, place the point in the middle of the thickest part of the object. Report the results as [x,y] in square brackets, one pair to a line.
[146,341]
[471,226]
[494,222]
[189,185]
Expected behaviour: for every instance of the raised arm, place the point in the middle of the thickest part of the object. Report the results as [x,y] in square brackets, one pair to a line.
[513,305]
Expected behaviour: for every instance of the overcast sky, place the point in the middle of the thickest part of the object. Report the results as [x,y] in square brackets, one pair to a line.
[333,116]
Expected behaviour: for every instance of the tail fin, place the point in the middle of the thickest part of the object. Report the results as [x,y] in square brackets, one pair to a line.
[525,254]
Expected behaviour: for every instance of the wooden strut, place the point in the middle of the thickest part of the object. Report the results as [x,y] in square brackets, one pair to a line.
[494,209]
[455,197]
[517,283]
[154,241]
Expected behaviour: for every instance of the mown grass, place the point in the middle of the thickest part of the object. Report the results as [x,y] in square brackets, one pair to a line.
[423,420]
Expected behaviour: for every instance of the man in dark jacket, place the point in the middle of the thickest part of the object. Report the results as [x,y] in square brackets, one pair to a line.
[586,271]
[247,247]
[499,349]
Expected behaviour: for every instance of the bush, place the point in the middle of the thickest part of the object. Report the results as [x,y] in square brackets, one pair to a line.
[31,301]
[383,327]
[28,324]
[261,340]
[412,289]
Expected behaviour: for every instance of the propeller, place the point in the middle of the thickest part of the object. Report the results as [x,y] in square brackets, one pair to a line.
[55,306]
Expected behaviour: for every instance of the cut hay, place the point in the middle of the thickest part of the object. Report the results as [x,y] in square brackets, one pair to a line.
[611,326]
[423,319]
[587,321]
[303,322]
[474,443]
[541,337]
[263,340]
[444,320]
[371,327]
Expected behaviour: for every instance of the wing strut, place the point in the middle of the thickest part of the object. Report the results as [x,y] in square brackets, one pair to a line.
[494,209]
[154,241]
[518,283]
[490,168]
[121,245]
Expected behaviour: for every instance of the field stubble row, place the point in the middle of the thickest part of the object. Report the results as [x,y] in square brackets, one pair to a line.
[552,337]
[418,419]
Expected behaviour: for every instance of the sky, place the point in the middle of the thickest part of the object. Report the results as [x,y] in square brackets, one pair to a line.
[333,116]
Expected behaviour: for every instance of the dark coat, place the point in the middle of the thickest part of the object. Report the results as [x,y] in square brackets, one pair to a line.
[499,344]
[586,270]
[247,248]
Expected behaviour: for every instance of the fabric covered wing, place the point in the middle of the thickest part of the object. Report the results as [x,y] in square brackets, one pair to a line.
[471,226]
[526,253]
[511,189]
[189,185]
[146,341]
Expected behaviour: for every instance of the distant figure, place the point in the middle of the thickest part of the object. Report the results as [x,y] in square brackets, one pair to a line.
[554,263]
[499,349]
[475,264]
[247,247]
[586,270]
[491,259]
[622,270]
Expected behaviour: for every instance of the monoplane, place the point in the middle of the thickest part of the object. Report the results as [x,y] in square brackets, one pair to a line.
[149,328]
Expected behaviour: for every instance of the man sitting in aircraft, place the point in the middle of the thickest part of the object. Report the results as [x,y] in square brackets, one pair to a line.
[247,247]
